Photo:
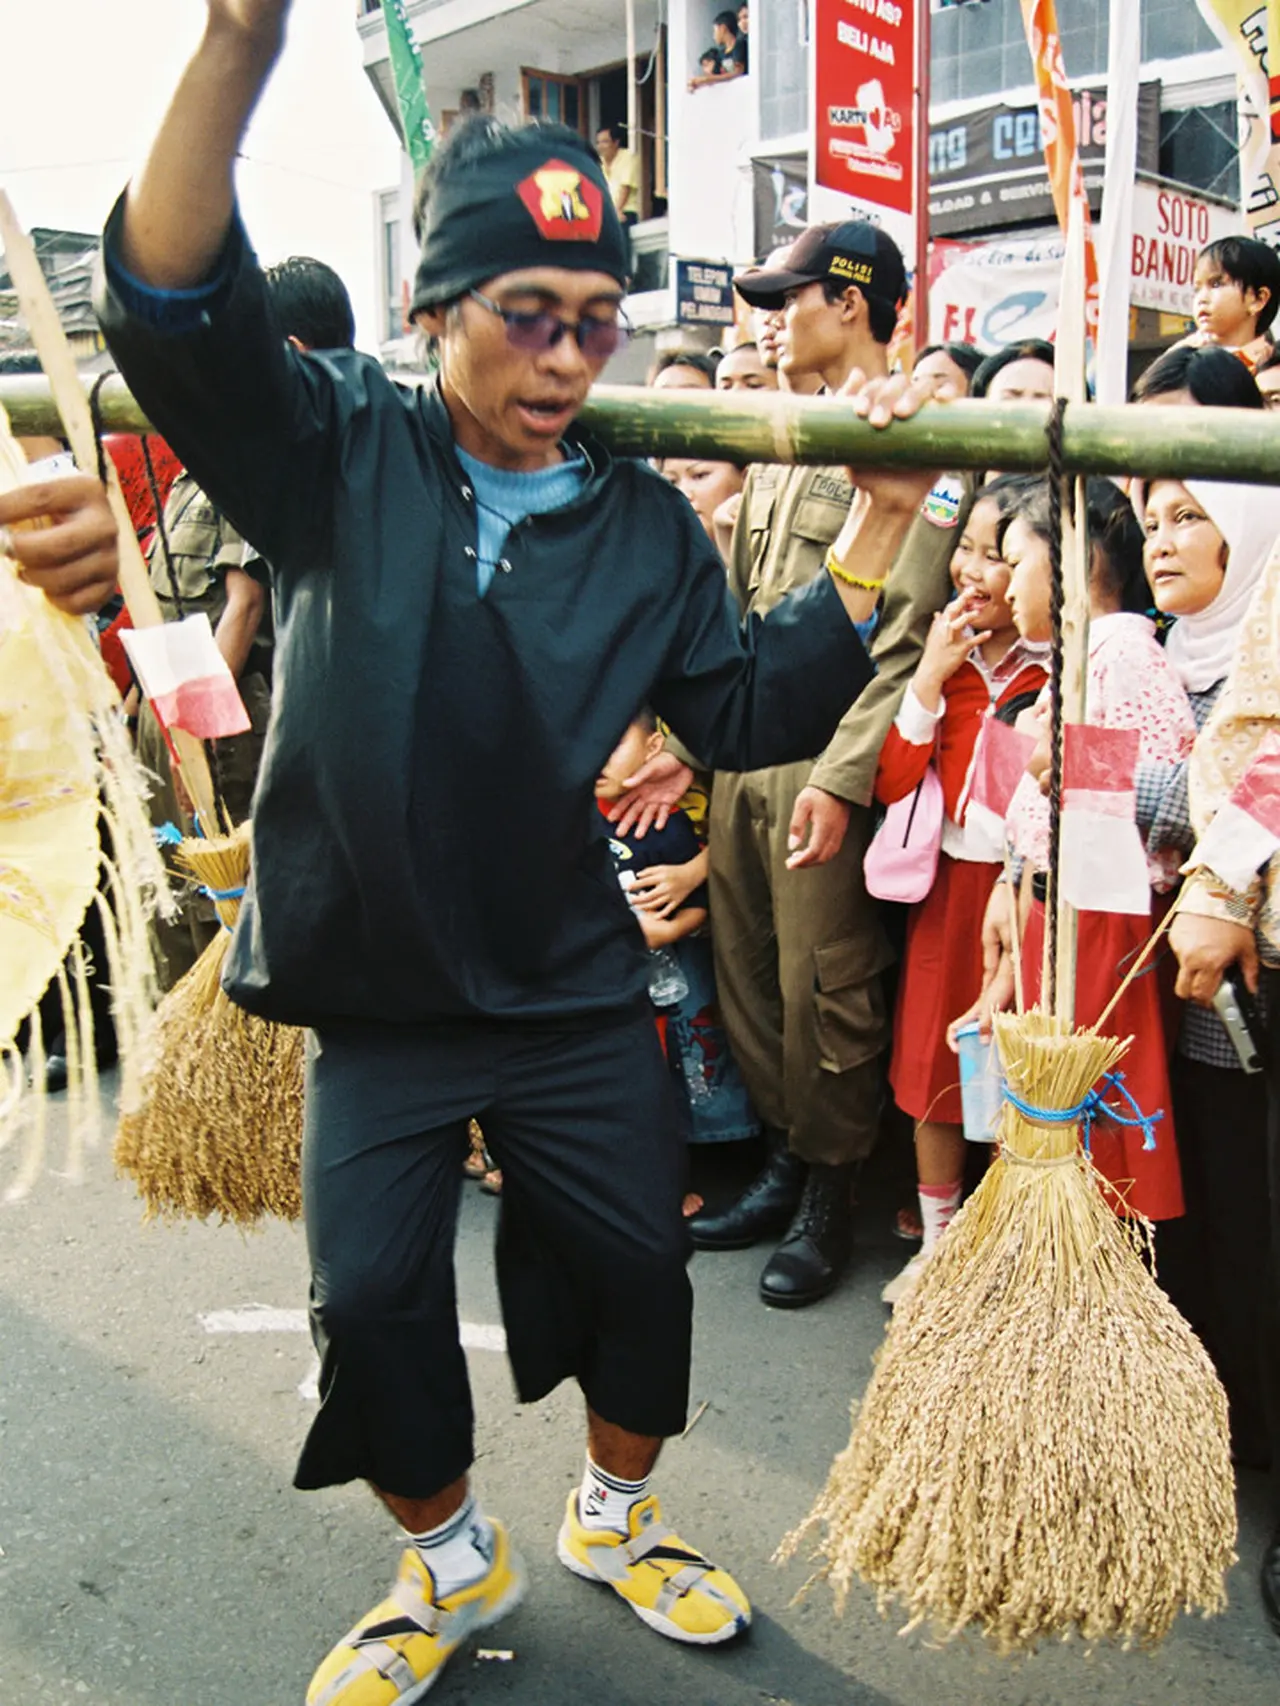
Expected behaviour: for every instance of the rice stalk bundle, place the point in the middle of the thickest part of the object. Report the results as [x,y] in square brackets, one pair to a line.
[217,1129]
[1043,1448]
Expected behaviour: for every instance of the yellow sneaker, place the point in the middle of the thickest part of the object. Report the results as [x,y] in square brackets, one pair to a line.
[668,1584]
[395,1653]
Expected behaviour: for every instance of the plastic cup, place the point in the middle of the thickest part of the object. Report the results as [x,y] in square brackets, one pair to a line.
[981,1086]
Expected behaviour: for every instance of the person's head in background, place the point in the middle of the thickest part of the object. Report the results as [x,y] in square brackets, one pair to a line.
[1267,378]
[977,568]
[683,370]
[1019,373]
[956,363]
[610,140]
[706,484]
[839,289]
[1117,579]
[724,31]
[744,18]
[1210,376]
[641,741]
[311,304]
[743,369]
[1237,290]
[709,64]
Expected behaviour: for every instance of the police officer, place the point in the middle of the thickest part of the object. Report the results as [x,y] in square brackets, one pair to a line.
[800,946]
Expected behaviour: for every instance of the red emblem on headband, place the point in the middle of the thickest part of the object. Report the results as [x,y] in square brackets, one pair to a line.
[565,206]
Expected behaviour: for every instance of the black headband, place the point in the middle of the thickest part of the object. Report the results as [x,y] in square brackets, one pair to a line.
[531,206]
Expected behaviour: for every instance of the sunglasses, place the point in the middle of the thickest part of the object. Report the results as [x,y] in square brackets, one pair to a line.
[597,339]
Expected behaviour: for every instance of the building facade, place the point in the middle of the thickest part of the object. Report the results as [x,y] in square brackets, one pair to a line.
[727,170]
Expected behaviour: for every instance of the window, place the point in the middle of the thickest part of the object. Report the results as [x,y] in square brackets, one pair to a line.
[392,295]
[982,50]
[555,99]
[1198,147]
[779,47]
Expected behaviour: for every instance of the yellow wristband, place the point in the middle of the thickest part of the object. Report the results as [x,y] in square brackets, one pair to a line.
[836,568]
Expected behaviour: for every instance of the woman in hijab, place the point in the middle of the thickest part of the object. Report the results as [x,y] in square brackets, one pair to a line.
[1207,545]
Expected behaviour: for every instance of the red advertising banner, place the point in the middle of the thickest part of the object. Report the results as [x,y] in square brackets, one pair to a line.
[864,105]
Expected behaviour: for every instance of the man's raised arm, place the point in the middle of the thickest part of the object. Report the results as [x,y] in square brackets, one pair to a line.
[179,207]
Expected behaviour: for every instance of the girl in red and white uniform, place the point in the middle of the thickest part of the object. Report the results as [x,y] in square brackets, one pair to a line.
[974,665]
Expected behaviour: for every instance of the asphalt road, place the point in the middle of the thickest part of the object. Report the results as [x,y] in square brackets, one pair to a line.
[155,1553]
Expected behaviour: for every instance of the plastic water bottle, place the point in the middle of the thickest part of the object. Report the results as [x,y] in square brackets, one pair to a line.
[667,982]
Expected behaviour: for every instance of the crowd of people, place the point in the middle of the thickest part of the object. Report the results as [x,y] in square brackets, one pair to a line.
[693,945]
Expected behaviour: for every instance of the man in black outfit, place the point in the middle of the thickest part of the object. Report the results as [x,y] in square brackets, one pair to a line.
[466,591]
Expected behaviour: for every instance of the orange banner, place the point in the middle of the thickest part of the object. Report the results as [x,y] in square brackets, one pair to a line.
[1058,135]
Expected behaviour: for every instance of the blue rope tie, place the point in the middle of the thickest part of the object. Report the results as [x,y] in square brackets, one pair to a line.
[223,894]
[168,835]
[1094,1108]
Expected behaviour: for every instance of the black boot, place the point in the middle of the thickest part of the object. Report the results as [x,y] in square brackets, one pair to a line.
[765,1206]
[1270,1581]
[812,1256]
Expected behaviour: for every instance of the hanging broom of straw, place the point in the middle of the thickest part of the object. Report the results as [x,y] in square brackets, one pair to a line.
[218,1125]
[1043,1445]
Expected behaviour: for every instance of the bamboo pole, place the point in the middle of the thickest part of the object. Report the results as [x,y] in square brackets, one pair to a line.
[69,414]
[1211,444]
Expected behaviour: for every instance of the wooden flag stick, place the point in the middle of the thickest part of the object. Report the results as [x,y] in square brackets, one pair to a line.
[68,393]
[1069,382]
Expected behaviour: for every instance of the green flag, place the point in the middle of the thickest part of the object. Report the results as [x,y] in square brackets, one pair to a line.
[411,96]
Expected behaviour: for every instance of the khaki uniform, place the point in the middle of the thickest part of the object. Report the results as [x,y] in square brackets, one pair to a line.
[799,954]
[203,546]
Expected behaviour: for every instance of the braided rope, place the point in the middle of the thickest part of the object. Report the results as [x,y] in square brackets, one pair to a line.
[1057,481]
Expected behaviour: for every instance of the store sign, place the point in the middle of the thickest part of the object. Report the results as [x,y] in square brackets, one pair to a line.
[1170,227]
[704,293]
[991,294]
[864,118]
[987,169]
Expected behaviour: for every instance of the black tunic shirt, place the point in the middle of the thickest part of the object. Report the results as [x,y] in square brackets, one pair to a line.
[426,844]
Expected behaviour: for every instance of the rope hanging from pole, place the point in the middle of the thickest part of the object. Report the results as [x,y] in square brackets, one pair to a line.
[1057,479]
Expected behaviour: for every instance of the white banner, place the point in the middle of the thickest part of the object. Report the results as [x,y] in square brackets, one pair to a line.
[992,294]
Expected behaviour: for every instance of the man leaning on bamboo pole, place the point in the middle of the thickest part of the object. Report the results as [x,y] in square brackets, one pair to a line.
[466,591]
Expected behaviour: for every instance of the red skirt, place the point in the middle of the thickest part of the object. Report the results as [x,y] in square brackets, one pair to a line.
[941,977]
[1148,1180]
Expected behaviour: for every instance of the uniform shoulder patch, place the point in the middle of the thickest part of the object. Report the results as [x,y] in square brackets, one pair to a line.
[942,506]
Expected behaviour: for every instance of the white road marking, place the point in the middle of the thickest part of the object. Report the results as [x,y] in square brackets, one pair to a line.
[262,1318]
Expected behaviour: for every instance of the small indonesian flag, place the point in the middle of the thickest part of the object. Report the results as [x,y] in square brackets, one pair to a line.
[999,762]
[1245,831]
[1102,863]
[186,679]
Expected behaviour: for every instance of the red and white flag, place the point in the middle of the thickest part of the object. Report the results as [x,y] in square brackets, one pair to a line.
[999,761]
[1102,863]
[186,679]
[1245,831]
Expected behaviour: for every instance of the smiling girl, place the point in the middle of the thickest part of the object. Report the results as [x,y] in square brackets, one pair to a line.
[1131,685]
[974,665]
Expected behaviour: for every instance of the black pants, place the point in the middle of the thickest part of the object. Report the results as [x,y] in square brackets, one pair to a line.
[591,1251]
[1215,1262]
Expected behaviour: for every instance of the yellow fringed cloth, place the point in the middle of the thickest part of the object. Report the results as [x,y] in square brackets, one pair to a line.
[66,769]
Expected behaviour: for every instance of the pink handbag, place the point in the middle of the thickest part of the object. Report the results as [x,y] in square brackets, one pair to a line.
[902,860]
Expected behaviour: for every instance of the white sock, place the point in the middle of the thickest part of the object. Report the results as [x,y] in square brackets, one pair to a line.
[604,1502]
[460,1551]
[938,1205]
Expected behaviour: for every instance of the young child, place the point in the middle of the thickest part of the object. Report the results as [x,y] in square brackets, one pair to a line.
[664,874]
[974,665]
[1237,293]
[1131,685]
